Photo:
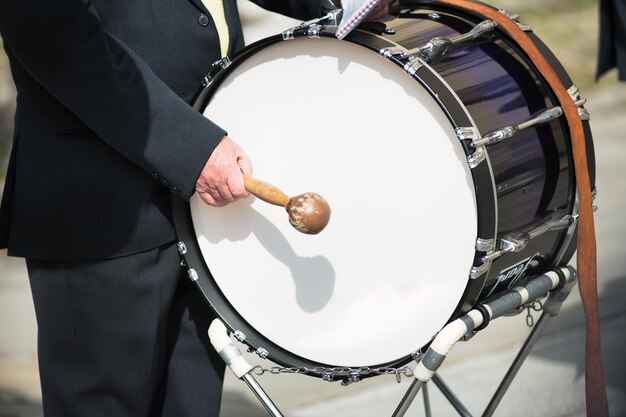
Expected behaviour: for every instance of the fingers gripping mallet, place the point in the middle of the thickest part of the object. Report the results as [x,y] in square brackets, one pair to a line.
[308,213]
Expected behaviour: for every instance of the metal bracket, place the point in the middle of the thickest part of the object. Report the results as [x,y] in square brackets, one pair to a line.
[239,335]
[477,157]
[579,101]
[485,245]
[182,248]
[193,275]
[215,68]
[437,47]
[464,133]
[515,18]
[392,51]
[517,241]
[507,132]
[478,271]
[320,23]
[413,65]
[263,353]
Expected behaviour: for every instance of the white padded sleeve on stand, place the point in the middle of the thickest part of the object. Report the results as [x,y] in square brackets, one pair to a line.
[227,350]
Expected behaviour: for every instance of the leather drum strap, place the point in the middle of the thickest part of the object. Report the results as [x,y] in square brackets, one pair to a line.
[586,258]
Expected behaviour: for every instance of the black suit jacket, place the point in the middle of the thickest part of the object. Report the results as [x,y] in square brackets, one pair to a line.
[612,48]
[103,129]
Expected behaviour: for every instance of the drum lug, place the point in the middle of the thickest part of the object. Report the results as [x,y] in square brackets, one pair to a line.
[464,133]
[392,51]
[314,26]
[182,248]
[579,101]
[239,335]
[471,133]
[477,157]
[479,270]
[193,275]
[215,68]
[518,240]
[436,48]
[413,66]
[263,353]
[485,245]
[515,18]
[507,132]
[314,32]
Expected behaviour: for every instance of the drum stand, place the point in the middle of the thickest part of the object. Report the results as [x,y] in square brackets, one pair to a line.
[557,284]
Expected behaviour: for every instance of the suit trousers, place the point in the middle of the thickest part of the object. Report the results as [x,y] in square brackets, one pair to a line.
[124,337]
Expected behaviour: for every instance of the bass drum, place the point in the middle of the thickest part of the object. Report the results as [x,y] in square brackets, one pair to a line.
[449,173]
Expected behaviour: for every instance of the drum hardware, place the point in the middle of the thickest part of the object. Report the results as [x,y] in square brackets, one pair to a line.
[518,240]
[574,93]
[535,306]
[434,16]
[507,132]
[182,248]
[217,66]
[515,18]
[485,245]
[436,48]
[331,18]
[262,353]
[477,157]
[346,375]
[480,270]
[471,133]
[308,213]
[239,335]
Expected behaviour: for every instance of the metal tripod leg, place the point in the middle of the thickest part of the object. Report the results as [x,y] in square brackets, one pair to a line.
[261,395]
[451,397]
[517,363]
[231,355]
[551,308]
[557,283]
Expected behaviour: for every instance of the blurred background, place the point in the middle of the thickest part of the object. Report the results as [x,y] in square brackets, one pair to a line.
[551,382]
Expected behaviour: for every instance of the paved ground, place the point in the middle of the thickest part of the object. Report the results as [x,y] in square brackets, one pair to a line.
[550,383]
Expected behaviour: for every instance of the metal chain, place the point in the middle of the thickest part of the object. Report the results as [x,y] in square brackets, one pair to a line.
[329,374]
[536,306]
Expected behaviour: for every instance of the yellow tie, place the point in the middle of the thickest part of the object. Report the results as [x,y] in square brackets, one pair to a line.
[216,8]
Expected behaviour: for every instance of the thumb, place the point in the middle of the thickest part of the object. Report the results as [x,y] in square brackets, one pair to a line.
[245,164]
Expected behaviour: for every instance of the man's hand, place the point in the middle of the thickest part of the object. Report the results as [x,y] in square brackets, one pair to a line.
[221,181]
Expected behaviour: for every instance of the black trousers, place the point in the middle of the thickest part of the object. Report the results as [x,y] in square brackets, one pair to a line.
[125,337]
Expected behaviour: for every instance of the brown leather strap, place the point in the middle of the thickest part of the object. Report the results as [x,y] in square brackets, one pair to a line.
[586,260]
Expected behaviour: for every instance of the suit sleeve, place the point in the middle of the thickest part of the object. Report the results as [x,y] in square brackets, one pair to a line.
[63,46]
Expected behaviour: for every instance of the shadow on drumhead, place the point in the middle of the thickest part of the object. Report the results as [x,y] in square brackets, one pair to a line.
[313,276]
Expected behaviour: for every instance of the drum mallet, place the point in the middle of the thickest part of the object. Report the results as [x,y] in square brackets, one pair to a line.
[308,213]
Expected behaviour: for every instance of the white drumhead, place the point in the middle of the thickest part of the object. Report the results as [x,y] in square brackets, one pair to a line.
[390,268]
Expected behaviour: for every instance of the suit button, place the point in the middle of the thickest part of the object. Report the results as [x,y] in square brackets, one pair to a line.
[165,183]
[155,175]
[175,190]
[203,20]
